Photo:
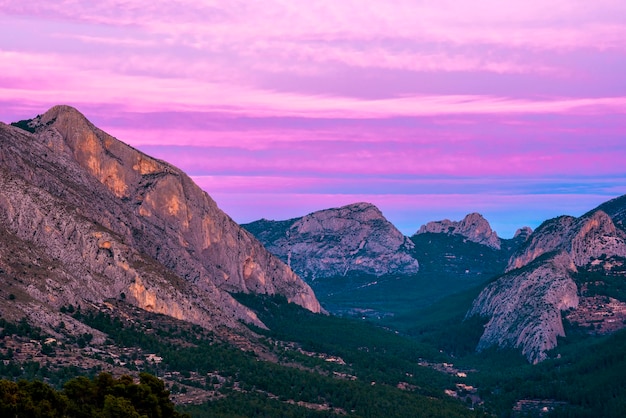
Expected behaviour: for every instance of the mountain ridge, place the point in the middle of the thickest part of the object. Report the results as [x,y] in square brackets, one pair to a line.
[544,284]
[108,213]
[473,226]
[338,241]
[541,286]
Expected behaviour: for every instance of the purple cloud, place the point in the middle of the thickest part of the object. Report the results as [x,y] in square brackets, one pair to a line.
[428,109]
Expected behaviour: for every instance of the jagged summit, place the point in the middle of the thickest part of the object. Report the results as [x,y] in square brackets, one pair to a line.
[474,227]
[338,241]
[546,277]
[616,209]
[591,235]
[523,233]
[110,220]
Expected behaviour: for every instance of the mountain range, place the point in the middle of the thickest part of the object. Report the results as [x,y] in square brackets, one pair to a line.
[542,275]
[114,256]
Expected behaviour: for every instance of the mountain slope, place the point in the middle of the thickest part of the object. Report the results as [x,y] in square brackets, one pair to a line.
[555,274]
[616,209]
[584,238]
[104,220]
[525,308]
[336,242]
[354,259]
[473,227]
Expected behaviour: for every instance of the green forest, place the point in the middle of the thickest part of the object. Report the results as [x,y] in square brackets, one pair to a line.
[378,374]
[325,366]
[101,397]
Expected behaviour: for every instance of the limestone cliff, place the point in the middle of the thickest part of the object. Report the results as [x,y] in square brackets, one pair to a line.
[336,242]
[107,220]
[524,307]
[473,227]
[583,238]
[543,278]
[616,209]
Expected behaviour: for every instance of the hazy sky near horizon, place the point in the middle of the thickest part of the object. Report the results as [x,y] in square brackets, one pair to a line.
[428,109]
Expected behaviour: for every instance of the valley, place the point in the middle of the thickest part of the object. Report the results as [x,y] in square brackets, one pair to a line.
[114,262]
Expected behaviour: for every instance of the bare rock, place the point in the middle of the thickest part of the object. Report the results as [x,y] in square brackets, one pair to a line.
[474,227]
[523,233]
[336,242]
[583,238]
[616,209]
[110,220]
[524,307]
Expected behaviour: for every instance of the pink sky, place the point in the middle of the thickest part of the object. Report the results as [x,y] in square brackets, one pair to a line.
[428,109]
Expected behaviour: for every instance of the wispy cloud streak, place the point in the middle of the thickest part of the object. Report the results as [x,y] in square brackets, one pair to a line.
[342,100]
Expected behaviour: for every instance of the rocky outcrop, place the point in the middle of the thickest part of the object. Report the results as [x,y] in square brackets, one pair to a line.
[616,209]
[335,242]
[473,227]
[582,238]
[523,233]
[107,220]
[524,307]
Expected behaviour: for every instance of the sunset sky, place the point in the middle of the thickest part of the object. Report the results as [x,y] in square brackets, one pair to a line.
[428,109]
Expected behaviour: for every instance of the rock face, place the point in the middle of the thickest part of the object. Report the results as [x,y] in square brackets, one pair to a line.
[474,227]
[102,220]
[525,305]
[616,209]
[336,242]
[582,238]
[523,233]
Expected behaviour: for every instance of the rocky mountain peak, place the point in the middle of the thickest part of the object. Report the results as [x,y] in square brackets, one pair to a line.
[616,209]
[113,220]
[597,235]
[474,227]
[339,241]
[334,220]
[66,115]
[524,305]
[523,233]
[591,235]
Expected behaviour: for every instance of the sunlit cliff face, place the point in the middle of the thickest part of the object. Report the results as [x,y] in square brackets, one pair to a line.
[216,250]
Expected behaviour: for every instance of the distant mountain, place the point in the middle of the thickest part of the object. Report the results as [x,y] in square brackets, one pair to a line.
[569,268]
[360,264]
[616,209]
[85,218]
[473,227]
[465,248]
[469,243]
[113,261]
[353,239]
